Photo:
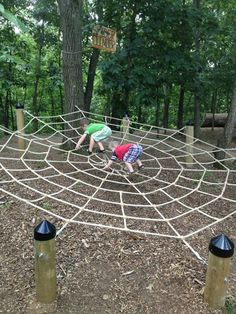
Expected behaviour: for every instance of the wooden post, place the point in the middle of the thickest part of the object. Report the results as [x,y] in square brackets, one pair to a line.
[20,122]
[189,131]
[45,262]
[221,249]
[125,129]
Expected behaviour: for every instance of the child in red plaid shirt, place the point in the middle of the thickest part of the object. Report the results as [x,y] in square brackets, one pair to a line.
[129,153]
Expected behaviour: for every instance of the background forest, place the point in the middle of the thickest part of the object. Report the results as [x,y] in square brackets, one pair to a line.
[175,59]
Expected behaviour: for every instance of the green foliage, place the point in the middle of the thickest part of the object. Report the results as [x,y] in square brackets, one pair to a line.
[155,57]
[13,19]
[230,305]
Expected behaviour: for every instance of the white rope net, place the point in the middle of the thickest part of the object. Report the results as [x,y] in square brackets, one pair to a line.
[178,193]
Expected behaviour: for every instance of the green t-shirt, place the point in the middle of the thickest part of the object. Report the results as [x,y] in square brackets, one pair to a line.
[93,127]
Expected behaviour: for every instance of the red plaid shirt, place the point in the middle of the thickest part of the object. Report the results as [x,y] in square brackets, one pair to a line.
[120,151]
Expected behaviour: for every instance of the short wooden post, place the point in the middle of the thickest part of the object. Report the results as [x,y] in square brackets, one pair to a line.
[45,262]
[221,248]
[20,122]
[125,129]
[189,131]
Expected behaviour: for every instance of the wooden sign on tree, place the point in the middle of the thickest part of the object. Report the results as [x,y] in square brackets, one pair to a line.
[104,38]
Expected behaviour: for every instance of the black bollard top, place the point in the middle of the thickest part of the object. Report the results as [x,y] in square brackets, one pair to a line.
[221,246]
[190,122]
[19,106]
[44,231]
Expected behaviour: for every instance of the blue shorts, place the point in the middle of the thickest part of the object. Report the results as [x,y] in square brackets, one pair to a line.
[134,153]
[102,134]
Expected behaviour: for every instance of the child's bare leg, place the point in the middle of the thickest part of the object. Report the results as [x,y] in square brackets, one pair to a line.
[129,166]
[139,163]
[91,144]
[100,145]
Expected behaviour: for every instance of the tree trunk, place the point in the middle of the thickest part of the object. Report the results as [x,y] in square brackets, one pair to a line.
[70,20]
[37,78]
[90,80]
[53,111]
[180,123]
[166,106]
[117,110]
[93,63]
[229,127]
[60,86]
[140,120]
[213,108]
[197,98]
[157,112]
[131,34]
[6,109]
[12,115]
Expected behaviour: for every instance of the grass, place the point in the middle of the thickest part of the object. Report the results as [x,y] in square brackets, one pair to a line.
[7,205]
[46,206]
[230,305]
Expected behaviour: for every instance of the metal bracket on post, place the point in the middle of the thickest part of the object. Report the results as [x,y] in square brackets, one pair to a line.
[221,249]
[45,262]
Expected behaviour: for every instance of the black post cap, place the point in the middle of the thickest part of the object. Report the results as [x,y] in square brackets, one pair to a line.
[190,122]
[19,106]
[44,231]
[221,246]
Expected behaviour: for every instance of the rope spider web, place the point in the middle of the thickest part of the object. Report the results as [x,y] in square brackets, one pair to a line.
[169,198]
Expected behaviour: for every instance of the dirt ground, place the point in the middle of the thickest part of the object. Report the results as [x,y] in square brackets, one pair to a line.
[107,271]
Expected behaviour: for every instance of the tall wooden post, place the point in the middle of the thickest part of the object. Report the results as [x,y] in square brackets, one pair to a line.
[20,122]
[125,129]
[189,131]
[221,249]
[45,262]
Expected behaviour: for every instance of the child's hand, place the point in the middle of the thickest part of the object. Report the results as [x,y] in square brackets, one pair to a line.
[77,146]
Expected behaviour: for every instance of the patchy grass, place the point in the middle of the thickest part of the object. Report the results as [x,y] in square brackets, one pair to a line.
[230,305]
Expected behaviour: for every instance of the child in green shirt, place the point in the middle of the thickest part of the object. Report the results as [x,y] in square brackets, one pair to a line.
[98,132]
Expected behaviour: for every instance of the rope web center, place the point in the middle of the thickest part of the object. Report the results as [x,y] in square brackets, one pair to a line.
[169,197]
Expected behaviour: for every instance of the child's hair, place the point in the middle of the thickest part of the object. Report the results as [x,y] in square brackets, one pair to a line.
[83,122]
[113,144]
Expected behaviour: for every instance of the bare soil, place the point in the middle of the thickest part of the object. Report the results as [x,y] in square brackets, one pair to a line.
[107,271]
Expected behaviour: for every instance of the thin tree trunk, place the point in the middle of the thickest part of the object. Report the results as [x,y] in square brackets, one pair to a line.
[37,78]
[107,107]
[166,106]
[117,108]
[6,110]
[229,127]
[140,113]
[90,80]
[213,108]
[12,117]
[225,140]
[60,87]
[129,58]
[53,112]
[197,98]
[180,117]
